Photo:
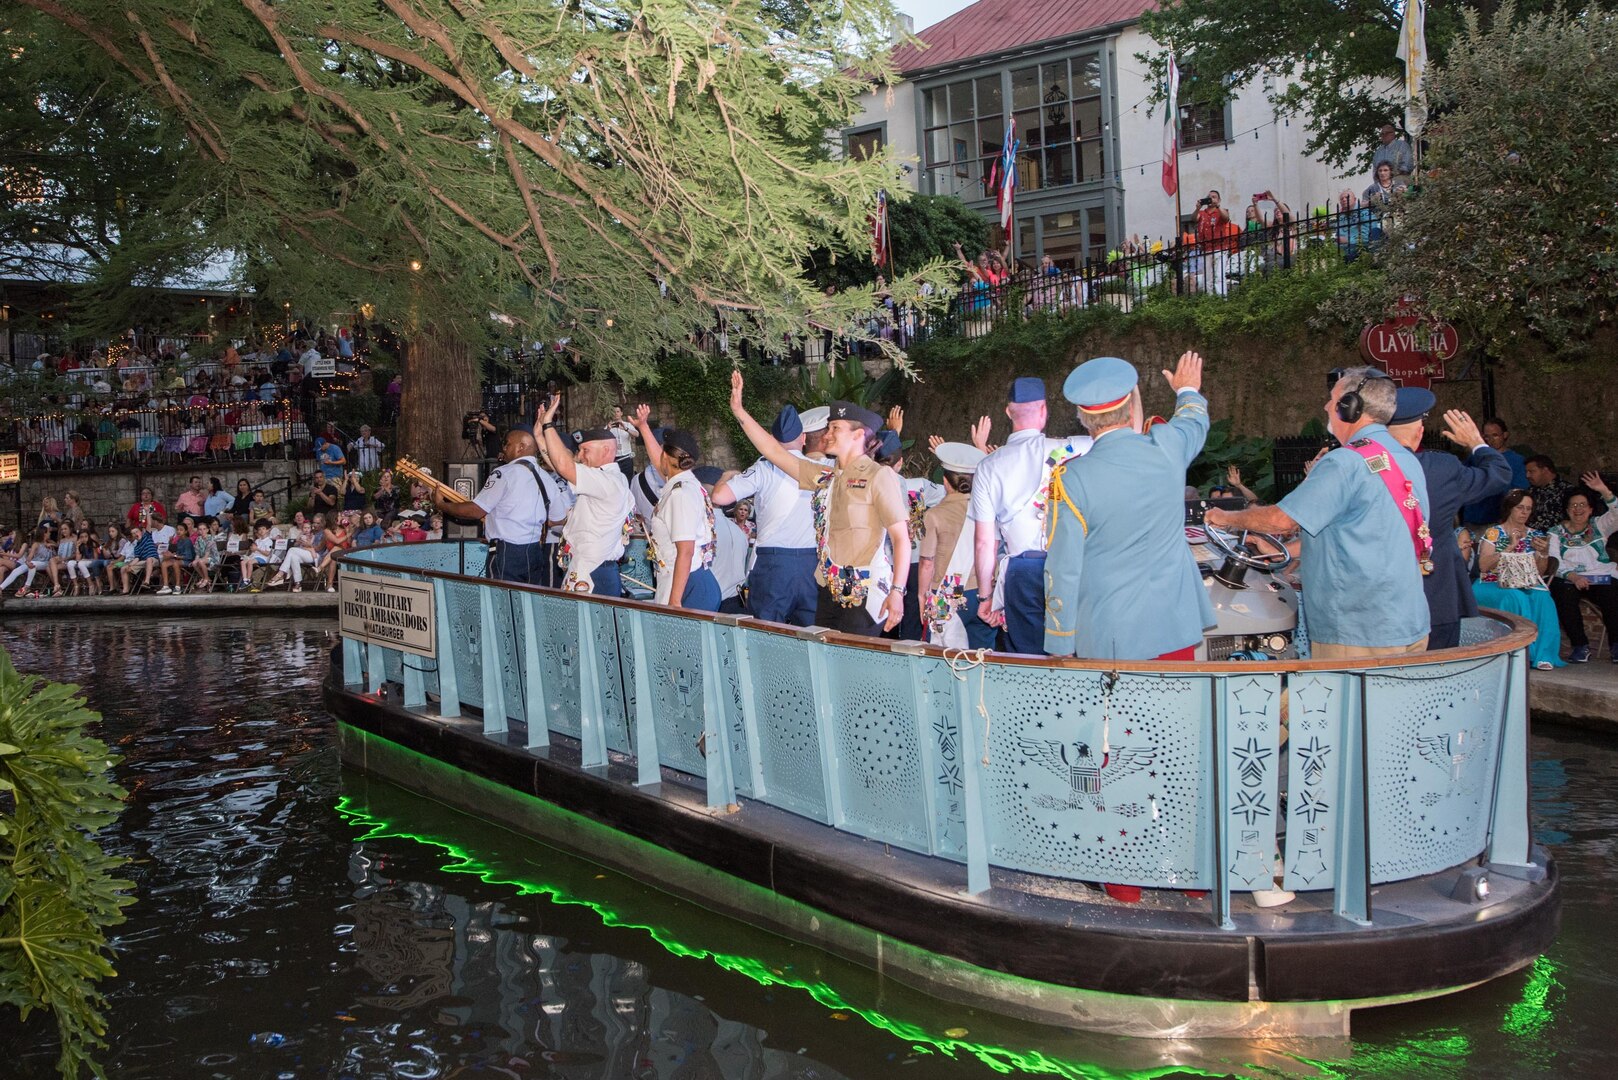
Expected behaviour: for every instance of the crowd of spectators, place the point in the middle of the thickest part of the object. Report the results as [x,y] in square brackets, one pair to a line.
[213,537]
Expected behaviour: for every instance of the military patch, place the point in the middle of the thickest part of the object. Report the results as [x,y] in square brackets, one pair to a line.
[859,485]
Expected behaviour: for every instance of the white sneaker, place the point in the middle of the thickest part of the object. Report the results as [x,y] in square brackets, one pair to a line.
[1275,897]
[164,591]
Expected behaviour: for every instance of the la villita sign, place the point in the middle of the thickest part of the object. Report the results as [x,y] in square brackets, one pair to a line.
[1410,348]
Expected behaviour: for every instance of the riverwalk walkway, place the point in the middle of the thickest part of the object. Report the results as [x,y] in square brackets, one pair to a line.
[188,604]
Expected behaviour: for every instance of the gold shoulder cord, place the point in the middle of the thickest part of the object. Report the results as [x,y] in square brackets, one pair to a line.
[1058,495]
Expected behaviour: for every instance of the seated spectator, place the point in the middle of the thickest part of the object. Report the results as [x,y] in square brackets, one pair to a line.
[1585,569]
[143,559]
[354,497]
[260,559]
[1513,561]
[338,539]
[178,558]
[206,546]
[1357,228]
[303,549]
[1549,492]
[261,508]
[63,558]
[1383,188]
[370,531]
[117,549]
[92,561]
[34,556]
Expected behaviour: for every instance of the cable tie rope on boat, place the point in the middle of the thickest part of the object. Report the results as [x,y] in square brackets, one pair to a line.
[961,662]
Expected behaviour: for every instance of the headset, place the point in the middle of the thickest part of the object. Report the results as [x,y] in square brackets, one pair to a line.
[1351,406]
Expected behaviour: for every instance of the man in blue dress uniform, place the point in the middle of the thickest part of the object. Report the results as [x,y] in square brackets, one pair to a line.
[1451,484]
[1362,564]
[1121,582]
[1007,512]
[781,586]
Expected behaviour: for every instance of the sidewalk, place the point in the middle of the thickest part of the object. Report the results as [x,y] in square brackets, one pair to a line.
[190,604]
[1585,695]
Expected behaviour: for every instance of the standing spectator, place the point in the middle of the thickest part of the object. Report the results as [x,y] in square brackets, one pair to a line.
[367,450]
[354,497]
[1395,153]
[310,357]
[241,506]
[386,499]
[145,511]
[390,397]
[324,495]
[330,458]
[71,510]
[1357,228]
[1383,187]
[49,513]
[1487,511]
[623,435]
[1550,493]
[220,502]
[192,500]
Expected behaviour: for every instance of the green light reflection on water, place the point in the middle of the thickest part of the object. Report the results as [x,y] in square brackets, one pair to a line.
[1002,1060]
[1528,1017]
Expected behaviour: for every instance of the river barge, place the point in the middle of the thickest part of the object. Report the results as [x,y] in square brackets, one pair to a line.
[944,817]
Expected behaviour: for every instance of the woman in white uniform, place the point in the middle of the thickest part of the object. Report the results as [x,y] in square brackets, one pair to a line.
[682,540]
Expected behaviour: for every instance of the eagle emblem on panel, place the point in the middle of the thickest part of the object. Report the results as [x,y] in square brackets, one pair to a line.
[1450,754]
[1086,774]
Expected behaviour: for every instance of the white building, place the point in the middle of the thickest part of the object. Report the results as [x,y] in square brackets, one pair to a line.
[1090,166]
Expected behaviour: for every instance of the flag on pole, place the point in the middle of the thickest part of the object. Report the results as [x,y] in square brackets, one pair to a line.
[1008,175]
[1171,131]
[1413,48]
[881,253]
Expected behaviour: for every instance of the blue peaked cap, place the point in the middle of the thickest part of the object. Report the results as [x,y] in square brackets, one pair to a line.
[1102,382]
[1414,403]
[1026,389]
[787,426]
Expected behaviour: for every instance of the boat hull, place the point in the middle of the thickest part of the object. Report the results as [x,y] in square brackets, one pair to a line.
[1063,956]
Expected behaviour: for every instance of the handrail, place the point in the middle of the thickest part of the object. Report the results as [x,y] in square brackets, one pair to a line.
[1000,760]
[1520,633]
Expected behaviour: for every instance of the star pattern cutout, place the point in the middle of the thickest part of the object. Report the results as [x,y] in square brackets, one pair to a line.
[1253,698]
[1251,758]
[1250,805]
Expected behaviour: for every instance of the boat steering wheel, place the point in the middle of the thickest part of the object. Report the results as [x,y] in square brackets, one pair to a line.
[1239,548]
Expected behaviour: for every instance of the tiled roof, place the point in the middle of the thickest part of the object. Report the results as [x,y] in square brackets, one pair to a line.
[993,26]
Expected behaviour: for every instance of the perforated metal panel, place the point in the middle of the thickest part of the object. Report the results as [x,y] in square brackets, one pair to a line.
[1434,740]
[1096,785]
[784,701]
[884,794]
[676,668]
[466,636]
[1319,704]
[558,626]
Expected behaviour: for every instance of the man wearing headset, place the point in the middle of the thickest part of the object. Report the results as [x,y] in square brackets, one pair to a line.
[1363,513]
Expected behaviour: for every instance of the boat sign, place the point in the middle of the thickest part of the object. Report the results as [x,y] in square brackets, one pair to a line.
[388,611]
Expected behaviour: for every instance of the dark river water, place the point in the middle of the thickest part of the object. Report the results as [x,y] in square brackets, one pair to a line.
[298,920]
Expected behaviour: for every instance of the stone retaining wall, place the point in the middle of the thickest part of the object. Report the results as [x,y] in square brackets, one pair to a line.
[105,494]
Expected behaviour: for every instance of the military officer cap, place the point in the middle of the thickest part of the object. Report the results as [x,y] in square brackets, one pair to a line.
[787,426]
[1100,385]
[675,439]
[814,419]
[708,475]
[592,434]
[1026,389]
[855,414]
[890,446]
[1414,403]
[959,457]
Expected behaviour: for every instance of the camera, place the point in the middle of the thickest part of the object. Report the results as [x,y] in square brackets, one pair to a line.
[1204,201]
[471,426]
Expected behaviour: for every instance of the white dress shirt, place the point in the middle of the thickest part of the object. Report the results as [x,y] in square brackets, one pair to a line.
[783,512]
[1010,485]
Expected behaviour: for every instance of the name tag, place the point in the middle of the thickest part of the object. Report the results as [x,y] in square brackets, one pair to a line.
[858,485]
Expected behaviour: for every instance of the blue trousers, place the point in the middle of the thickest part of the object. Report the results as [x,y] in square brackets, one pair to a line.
[979,634]
[1025,603]
[781,587]
[524,563]
[605,581]
[701,591]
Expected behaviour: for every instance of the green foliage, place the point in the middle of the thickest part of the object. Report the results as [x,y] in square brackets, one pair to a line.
[612,174]
[696,392]
[58,889]
[1513,234]
[923,229]
[1252,456]
[1262,304]
[1330,62]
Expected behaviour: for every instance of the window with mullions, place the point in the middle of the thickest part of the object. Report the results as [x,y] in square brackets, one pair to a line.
[863,145]
[1058,110]
[1202,124]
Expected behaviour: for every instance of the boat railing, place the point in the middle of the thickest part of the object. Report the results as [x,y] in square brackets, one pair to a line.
[1164,775]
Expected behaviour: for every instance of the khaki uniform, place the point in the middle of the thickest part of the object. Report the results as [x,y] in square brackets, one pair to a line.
[865,500]
[944,523]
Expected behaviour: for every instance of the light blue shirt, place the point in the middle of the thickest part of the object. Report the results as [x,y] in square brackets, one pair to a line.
[1361,582]
[1121,582]
[218,503]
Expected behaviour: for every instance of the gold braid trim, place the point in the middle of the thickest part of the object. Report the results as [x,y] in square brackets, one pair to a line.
[1058,494]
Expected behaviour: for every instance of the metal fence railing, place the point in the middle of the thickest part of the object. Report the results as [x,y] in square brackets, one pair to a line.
[111,437]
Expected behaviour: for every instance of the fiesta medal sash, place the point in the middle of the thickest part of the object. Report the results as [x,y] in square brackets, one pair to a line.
[1403,493]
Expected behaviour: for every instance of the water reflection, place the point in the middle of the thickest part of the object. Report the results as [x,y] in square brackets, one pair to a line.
[278,936]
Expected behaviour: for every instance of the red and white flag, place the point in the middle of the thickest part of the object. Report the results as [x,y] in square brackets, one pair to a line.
[880,253]
[1008,175]
[1171,131]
